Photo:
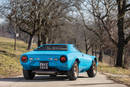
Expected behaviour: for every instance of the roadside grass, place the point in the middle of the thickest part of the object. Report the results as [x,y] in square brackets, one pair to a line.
[117,74]
[9,58]
[122,80]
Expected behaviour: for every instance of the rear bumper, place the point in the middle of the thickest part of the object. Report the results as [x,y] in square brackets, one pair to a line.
[36,65]
[44,72]
[49,71]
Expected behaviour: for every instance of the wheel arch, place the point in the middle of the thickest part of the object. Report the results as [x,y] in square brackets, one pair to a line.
[73,61]
[96,60]
[78,61]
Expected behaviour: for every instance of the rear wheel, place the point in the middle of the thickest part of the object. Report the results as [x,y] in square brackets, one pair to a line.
[93,70]
[28,75]
[73,73]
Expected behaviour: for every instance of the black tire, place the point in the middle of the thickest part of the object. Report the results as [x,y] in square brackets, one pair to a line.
[73,73]
[53,76]
[93,70]
[28,75]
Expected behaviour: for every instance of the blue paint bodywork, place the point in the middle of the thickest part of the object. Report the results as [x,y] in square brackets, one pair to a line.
[72,54]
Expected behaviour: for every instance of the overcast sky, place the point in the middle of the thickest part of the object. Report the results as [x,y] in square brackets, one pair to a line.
[2,2]
[1,20]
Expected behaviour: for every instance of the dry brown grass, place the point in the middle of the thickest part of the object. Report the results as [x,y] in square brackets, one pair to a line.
[9,58]
[114,70]
[122,80]
[117,74]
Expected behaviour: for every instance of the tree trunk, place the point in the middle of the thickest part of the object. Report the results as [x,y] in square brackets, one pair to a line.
[119,58]
[39,40]
[15,38]
[120,46]
[101,55]
[43,39]
[121,38]
[125,64]
[30,42]
[92,51]
[86,47]
[95,51]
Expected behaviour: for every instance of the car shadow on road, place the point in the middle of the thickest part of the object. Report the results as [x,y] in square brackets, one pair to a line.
[36,79]
[83,77]
[50,79]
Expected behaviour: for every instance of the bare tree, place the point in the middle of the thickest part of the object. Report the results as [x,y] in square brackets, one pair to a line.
[103,10]
[12,25]
[93,27]
[40,17]
[123,7]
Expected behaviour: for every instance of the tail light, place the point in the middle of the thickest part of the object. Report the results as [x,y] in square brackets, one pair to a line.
[24,59]
[63,59]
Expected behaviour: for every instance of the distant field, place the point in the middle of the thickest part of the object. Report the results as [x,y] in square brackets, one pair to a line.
[9,58]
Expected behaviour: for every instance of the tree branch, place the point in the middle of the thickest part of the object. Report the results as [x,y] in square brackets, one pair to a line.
[107,30]
[127,7]
[127,39]
[24,31]
[86,26]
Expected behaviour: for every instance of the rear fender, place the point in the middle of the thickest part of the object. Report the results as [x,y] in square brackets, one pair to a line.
[71,61]
[94,58]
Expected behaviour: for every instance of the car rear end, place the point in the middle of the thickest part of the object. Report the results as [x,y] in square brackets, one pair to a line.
[45,61]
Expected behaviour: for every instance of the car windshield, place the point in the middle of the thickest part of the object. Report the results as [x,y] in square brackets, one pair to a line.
[52,48]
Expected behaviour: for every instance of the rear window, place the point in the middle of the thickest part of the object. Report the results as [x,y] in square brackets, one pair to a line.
[52,47]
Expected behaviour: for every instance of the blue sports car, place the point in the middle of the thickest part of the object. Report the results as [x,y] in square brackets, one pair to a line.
[57,59]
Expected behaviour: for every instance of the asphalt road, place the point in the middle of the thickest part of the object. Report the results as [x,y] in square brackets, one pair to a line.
[60,81]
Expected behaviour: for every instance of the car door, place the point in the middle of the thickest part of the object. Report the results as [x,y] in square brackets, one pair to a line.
[82,58]
[78,54]
[84,61]
[88,61]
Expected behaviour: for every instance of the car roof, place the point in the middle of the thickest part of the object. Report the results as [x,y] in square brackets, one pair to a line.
[59,44]
[68,45]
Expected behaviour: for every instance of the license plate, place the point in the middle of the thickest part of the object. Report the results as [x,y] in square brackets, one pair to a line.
[43,65]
